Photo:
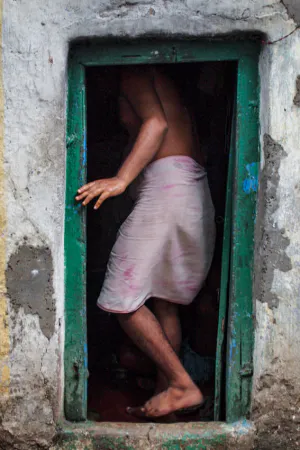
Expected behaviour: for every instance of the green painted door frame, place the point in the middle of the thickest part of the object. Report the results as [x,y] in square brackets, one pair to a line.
[235,313]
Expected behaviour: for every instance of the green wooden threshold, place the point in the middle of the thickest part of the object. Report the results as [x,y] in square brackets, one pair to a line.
[129,436]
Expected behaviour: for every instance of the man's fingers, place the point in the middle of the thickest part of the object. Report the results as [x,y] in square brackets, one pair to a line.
[103,188]
[89,191]
[86,187]
[80,197]
[91,195]
[101,199]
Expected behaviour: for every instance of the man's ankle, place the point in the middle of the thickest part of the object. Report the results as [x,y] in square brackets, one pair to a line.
[183,382]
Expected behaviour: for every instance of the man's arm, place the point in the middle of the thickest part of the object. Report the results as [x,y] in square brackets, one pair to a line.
[137,86]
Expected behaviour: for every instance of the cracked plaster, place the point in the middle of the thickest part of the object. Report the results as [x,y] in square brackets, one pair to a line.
[35,45]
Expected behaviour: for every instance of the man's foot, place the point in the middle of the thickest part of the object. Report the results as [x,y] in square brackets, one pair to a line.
[169,401]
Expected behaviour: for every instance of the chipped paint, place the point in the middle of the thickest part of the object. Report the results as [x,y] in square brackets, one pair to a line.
[250,183]
[76,351]
[240,324]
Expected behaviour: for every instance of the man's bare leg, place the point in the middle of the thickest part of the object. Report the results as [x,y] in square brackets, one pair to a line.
[167,315]
[145,331]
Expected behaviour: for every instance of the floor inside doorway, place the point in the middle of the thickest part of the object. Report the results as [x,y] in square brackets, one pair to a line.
[119,374]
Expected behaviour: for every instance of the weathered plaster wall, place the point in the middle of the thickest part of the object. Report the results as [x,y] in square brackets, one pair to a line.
[36,36]
[293,9]
[276,359]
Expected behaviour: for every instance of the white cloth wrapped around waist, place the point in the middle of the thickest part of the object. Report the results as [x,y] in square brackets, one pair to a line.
[165,247]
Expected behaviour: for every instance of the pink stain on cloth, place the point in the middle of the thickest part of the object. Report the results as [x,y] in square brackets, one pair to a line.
[165,247]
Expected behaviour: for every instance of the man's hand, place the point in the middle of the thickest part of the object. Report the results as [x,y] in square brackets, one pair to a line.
[108,187]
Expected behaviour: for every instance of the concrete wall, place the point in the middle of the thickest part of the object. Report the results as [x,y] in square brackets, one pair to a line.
[35,39]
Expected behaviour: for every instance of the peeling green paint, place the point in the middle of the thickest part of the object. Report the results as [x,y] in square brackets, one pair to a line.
[240,335]
[75,252]
[194,442]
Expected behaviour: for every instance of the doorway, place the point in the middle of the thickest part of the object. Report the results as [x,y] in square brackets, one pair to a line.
[120,375]
[101,381]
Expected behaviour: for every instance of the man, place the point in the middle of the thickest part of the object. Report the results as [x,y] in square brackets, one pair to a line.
[165,247]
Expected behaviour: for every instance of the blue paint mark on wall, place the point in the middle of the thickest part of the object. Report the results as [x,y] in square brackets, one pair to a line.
[75,208]
[232,349]
[250,183]
[84,155]
[85,349]
[243,427]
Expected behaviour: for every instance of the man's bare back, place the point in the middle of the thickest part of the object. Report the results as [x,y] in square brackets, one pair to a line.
[181,137]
